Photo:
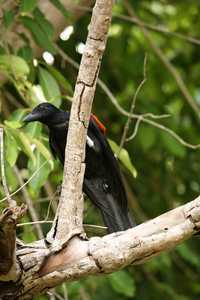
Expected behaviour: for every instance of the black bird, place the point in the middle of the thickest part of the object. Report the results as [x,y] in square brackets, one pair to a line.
[102,182]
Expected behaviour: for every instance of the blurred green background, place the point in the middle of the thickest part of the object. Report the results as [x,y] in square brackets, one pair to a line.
[38,64]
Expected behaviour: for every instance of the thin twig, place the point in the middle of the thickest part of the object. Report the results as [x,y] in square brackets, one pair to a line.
[89,226]
[107,91]
[158,28]
[10,201]
[143,117]
[30,178]
[31,209]
[34,223]
[183,88]
[171,132]
[52,196]
[128,122]
[133,135]
[65,291]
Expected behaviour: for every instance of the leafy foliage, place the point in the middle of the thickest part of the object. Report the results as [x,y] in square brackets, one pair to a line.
[167,172]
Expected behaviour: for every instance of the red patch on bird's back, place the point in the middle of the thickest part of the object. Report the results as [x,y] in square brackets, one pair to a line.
[98,123]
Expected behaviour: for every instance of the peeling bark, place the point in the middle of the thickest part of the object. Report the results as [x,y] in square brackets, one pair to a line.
[9,269]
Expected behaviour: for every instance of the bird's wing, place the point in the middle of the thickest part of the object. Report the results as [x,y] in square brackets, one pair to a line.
[110,163]
[57,143]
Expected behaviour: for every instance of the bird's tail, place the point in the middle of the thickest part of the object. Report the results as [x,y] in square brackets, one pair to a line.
[115,217]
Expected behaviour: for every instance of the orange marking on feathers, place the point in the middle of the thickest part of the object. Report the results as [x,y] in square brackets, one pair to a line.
[99,124]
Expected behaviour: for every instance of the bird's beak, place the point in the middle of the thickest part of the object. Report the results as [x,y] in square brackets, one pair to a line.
[31,117]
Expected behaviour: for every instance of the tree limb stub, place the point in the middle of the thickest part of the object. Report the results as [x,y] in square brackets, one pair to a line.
[8,265]
[68,221]
[109,253]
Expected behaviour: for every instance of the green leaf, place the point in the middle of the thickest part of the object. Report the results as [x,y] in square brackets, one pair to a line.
[26,53]
[8,18]
[60,79]
[61,8]
[123,157]
[14,65]
[11,178]
[11,148]
[122,283]
[41,176]
[44,23]
[173,146]
[50,87]
[26,6]
[33,130]
[24,143]
[44,151]
[13,124]
[18,115]
[38,34]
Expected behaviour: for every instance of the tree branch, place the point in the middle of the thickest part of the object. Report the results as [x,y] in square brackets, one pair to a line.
[68,220]
[107,254]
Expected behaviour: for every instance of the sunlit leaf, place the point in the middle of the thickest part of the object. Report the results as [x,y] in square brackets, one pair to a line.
[11,148]
[60,79]
[27,6]
[123,157]
[24,142]
[50,87]
[14,65]
[18,115]
[41,177]
[44,151]
[13,124]
[11,178]
[33,129]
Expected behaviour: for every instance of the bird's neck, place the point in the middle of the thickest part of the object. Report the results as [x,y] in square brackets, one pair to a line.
[59,120]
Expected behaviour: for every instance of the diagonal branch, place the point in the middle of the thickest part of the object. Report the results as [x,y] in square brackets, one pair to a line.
[109,253]
[68,220]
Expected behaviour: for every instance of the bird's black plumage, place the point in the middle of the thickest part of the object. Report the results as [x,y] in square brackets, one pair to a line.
[102,182]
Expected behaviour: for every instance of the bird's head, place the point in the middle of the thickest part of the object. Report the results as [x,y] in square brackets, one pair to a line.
[45,113]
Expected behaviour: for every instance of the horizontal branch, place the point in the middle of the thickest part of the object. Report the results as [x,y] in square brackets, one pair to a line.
[109,253]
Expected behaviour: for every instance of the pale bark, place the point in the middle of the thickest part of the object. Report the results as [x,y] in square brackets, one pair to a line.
[68,220]
[41,270]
